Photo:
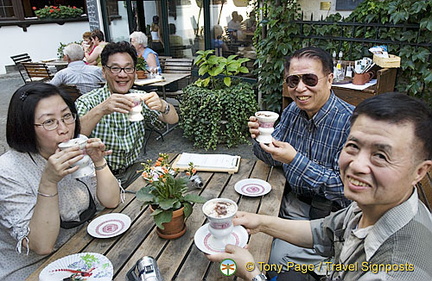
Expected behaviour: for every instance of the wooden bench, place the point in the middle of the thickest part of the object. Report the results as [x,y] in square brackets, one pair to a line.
[424,189]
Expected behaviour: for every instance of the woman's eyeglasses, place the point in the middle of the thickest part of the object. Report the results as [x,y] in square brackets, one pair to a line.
[52,124]
[309,79]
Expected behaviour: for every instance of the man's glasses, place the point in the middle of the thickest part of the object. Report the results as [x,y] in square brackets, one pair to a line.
[85,216]
[117,70]
[309,79]
[52,124]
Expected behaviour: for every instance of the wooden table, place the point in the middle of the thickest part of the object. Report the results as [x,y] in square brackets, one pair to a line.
[180,259]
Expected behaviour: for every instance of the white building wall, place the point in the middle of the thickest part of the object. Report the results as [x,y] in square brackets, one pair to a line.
[41,41]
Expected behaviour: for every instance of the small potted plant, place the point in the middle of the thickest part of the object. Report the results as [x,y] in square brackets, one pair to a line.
[166,195]
[215,109]
[141,68]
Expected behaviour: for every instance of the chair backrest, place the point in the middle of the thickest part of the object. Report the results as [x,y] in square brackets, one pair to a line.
[37,71]
[178,65]
[18,59]
[162,60]
[71,90]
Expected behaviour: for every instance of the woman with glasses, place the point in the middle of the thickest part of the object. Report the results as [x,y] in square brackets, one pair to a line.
[41,204]
[139,41]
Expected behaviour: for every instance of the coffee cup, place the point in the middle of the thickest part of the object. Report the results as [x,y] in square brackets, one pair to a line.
[266,120]
[85,169]
[220,212]
[135,113]
[362,78]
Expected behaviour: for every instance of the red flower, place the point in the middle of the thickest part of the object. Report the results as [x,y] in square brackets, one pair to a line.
[55,7]
[34,8]
[51,11]
[74,7]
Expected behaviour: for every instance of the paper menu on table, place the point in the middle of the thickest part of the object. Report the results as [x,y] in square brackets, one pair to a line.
[208,162]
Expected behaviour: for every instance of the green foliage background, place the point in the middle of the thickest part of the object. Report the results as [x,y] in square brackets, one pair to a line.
[278,36]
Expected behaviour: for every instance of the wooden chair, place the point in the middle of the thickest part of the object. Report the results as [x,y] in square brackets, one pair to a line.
[424,189]
[18,59]
[37,71]
[162,60]
[179,66]
[71,90]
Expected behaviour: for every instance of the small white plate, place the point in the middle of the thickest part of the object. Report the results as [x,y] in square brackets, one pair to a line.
[252,187]
[109,225]
[96,265]
[202,238]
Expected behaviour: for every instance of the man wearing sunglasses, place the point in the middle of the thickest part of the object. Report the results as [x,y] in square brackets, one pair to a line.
[307,143]
[104,112]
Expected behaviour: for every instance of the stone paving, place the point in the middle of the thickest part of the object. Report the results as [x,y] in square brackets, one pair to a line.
[173,142]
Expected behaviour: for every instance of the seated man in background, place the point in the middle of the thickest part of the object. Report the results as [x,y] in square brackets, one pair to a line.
[386,233]
[104,112]
[85,77]
[176,42]
[307,143]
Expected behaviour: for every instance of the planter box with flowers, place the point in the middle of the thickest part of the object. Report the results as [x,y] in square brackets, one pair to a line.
[58,12]
[165,193]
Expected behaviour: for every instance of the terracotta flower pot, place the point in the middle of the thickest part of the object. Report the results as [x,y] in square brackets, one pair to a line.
[141,74]
[173,229]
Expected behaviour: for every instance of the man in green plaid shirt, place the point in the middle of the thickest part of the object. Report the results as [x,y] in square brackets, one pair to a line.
[104,112]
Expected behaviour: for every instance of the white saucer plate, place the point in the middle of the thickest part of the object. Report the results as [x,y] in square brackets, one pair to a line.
[97,266]
[109,225]
[252,187]
[202,239]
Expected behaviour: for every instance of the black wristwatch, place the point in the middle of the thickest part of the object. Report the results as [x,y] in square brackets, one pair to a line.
[259,277]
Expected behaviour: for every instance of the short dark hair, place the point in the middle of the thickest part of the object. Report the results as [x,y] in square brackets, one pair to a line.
[172,28]
[20,129]
[313,53]
[400,108]
[98,34]
[119,47]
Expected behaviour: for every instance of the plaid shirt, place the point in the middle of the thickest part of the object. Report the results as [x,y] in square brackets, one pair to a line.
[123,137]
[318,141]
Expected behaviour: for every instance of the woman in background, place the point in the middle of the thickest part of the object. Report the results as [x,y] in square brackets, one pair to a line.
[93,56]
[41,204]
[157,43]
[139,41]
[87,42]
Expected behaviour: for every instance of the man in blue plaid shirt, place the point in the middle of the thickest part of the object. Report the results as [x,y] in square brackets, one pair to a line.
[104,112]
[307,143]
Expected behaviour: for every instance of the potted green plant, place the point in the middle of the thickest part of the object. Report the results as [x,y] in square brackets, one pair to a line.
[215,108]
[141,68]
[165,193]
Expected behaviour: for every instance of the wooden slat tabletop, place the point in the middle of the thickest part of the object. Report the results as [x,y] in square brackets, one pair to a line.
[179,259]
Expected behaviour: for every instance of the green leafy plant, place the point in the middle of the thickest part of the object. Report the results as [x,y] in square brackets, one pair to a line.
[58,12]
[215,109]
[141,64]
[211,66]
[280,41]
[60,49]
[165,191]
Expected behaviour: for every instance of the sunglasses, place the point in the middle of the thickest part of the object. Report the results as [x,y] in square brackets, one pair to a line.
[309,79]
[85,216]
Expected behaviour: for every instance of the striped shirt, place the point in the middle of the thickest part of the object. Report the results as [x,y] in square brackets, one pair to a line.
[318,141]
[123,137]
